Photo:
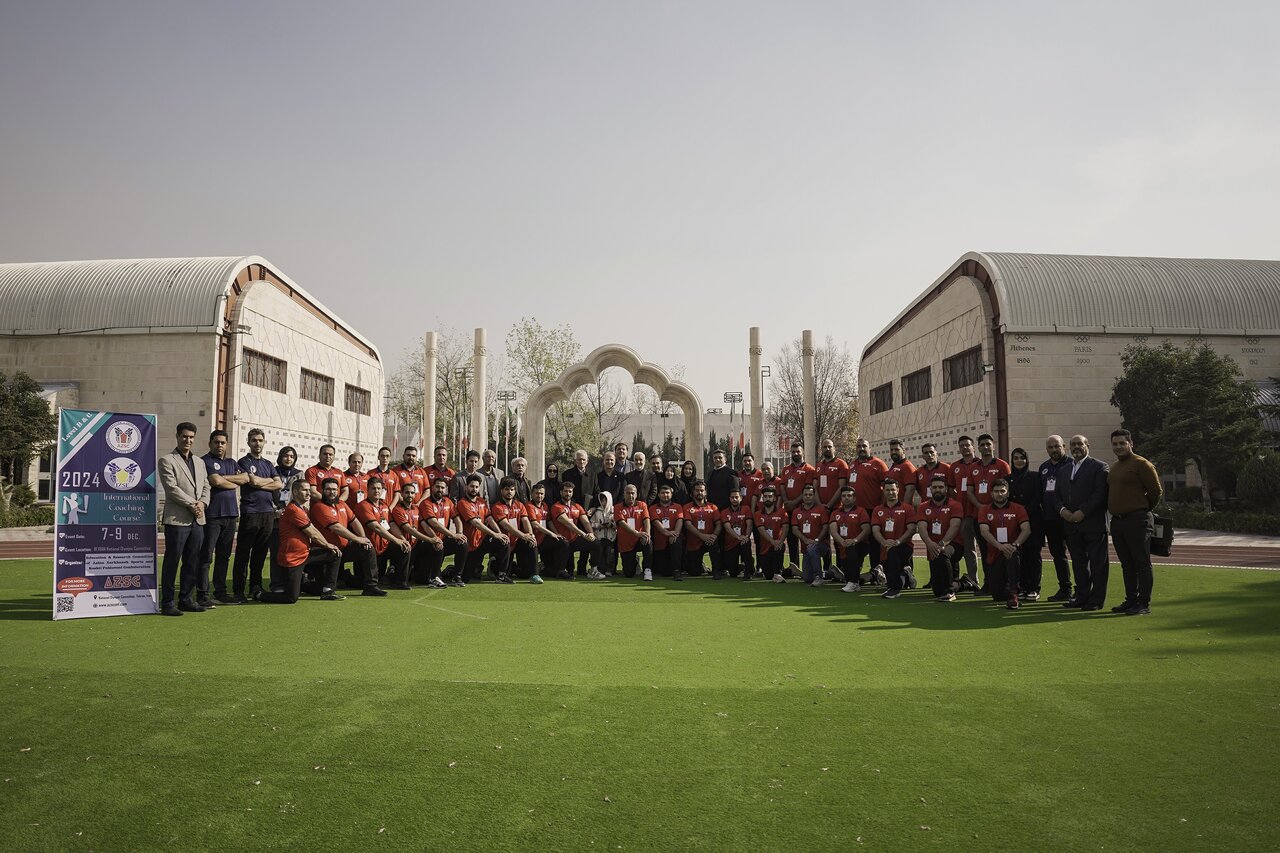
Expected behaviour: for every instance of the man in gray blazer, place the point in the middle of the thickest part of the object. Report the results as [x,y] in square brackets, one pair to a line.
[1082,492]
[186,494]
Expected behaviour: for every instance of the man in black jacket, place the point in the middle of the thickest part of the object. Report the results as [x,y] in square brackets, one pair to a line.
[721,480]
[1082,491]
[583,479]
[1057,466]
[608,479]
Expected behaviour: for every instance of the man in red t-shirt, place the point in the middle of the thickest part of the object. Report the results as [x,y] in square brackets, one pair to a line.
[701,530]
[893,525]
[961,474]
[354,482]
[301,548]
[537,513]
[438,517]
[939,522]
[982,474]
[405,519]
[927,470]
[751,479]
[440,469]
[830,475]
[570,521]
[483,536]
[386,472]
[391,548]
[735,539]
[901,471]
[850,532]
[317,473]
[338,524]
[667,519]
[809,524]
[409,471]
[631,516]
[773,523]
[795,477]
[1005,526]
[866,475]
[509,513]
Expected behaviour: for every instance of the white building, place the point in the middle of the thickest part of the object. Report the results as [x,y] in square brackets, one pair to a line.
[229,343]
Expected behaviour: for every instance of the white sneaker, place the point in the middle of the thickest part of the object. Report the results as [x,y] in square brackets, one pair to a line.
[595,575]
[778,579]
[648,574]
[849,587]
[437,583]
[817,582]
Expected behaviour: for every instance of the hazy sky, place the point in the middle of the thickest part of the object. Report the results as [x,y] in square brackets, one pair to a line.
[659,174]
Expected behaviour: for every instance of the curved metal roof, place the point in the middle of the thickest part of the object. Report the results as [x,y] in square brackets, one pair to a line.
[118,296]
[1121,294]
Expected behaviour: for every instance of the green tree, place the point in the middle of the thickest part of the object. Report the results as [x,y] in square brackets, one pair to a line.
[1189,404]
[638,443]
[26,427]
[1259,481]
[536,355]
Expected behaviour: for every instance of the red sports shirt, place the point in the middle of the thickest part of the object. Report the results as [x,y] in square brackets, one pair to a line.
[810,521]
[703,519]
[567,528]
[937,518]
[315,475]
[509,512]
[434,473]
[295,547]
[416,475]
[478,510]
[537,514]
[904,474]
[1004,523]
[893,521]
[357,486]
[443,510]
[739,521]
[925,475]
[983,475]
[867,478]
[773,522]
[323,515]
[750,483]
[666,518]
[636,514]
[827,476]
[405,516]
[849,523]
[794,479]
[961,477]
[371,514]
[390,479]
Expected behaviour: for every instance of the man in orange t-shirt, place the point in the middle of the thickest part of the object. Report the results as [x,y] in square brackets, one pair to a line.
[772,522]
[631,517]
[439,518]
[1005,527]
[850,532]
[809,524]
[483,536]
[374,515]
[569,519]
[795,477]
[893,524]
[735,539]
[509,514]
[702,529]
[338,524]
[301,548]
[940,520]
[667,527]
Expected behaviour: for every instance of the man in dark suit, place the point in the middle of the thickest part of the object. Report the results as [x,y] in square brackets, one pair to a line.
[1082,492]
[186,496]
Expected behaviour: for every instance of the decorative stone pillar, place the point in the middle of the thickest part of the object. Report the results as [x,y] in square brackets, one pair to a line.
[754,351]
[479,419]
[810,397]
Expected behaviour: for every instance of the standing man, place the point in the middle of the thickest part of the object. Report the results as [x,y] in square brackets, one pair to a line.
[385,472]
[902,471]
[961,474]
[221,517]
[928,470]
[1005,527]
[186,495]
[940,520]
[609,479]
[470,465]
[322,470]
[795,477]
[893,525]
[637,475]
[721,480]
[773,521]
[866,475]
[492,474]
[409,471]
[1083,496]
[524,488]
[439,470]
[1133,491]
[355,482]
[583,480]
[301,547]
[624,461]
[1053,469]
[257,518]
[831,474]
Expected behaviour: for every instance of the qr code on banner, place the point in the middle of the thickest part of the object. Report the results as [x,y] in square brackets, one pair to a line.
[66,603]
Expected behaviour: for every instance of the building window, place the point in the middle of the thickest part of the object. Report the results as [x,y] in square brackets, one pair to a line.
[263,371]
[963,369]
[882,398]
[357,400]
[316,388]
[917,386]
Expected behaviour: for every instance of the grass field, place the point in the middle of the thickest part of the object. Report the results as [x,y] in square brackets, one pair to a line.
[621,715]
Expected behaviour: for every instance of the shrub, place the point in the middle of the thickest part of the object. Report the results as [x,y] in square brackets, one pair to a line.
[1259,481]
[31,516]
[1256,523]
[22,496]
[1185,495]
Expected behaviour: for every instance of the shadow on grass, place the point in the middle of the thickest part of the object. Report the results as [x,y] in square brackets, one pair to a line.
[32,607]
[915,609]
[1242,612]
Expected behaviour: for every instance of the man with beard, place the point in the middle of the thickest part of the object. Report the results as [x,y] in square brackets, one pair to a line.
[773,521]
[221,519]
[831,474]
[926,472]
[721,480]
[1005,527]
[1082,492]
[982,474]
[850,532]
[809,521]
[548,541]
[374,514]
[795,477]
[440,519]
[484,537]
[386,472]
[940,520]
[609,479]
[1055,533]
[406,516]
[702,528]
[735,542]
[338,524]
[893,525]
[470,466]
[570,521]
[302,547]
[409,471]
[257,518]
[1133,491]
[901,471]
[961,474]
[519,470]
[668,525]
[634,535]
[509,513]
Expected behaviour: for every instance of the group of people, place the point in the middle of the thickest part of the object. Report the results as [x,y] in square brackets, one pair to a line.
[394,525]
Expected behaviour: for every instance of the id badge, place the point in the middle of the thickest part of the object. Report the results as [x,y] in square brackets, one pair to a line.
[888,525]
[1051,484]
[806,528]
[936,529]
[791,482]
[702,525]
[666,523]
[822,481]
[964,483]
[844,532]
[1002,536]
[982,488]
[359,497]
[853,477]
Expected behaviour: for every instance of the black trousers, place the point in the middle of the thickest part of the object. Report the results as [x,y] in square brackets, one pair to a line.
[1131,536]
[631,559]
[666,561]
[692,560]
[1089,562]
[793,548]
[252,544]
[427,561]
[564,555]
[897,564]
[524,559]
[219,533]
[364,561]
[944,571]
[771,563]
[320,562]
[549,553]
[395,559]
[1003,575]
[499,555]
[181,546]
[606,558]
[736,559]
[851,561]
[1031,568]
[1055,535]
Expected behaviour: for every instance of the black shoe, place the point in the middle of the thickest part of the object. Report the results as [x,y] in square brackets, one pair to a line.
[332,596]
[207,603]
[677,576]
[402,586]
[457,582]
[564,575]
[1090,607]
[1063,594]
[1073,602]
[190,607]
[373,590]
[170,610]
[505,579]
[240,599]
[715,576]
[225,598]
[1123,607]
[1137,609]
[254,591]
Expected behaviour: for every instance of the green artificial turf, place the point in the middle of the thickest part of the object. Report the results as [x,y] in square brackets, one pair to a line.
[623,715]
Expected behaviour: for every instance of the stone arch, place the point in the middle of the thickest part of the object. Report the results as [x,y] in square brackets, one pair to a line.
[587,372]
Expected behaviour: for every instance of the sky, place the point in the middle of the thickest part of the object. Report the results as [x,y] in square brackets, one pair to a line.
[661,174]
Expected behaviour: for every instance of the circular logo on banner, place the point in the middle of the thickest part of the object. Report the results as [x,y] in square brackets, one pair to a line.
[122,474]
[123,437]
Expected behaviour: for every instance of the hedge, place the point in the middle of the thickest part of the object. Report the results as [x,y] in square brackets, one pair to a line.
[1257,523]
[32,516]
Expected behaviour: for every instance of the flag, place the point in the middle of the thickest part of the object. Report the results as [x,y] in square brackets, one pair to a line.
[416,439]
[742,439]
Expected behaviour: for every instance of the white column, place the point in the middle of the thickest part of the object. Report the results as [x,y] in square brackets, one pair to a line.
[479,423]
[429,396]
[810,416]
[757,395]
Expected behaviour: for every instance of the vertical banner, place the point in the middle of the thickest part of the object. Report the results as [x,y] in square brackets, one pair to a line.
[104,552]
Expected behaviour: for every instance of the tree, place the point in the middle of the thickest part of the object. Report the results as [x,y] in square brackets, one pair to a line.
[454,357]
[644,400]
[606,405]
[1189,404]
[835,389]
[26,428]
[1259,481]
[537,355]
[638,443]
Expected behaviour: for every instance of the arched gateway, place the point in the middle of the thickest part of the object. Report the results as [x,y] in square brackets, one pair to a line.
[587,372]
